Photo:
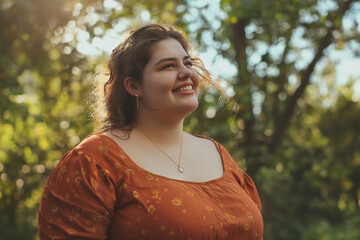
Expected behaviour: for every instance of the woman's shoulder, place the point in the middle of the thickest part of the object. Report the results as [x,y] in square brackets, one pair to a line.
[96,151]
[96,143]
[203,140]
[224,153]
[209,143]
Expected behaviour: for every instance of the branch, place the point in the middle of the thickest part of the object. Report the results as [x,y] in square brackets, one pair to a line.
[240,44]
[244,81]
[282,121]
[282,77]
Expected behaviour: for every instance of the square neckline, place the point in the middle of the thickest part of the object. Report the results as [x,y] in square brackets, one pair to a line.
[218,148]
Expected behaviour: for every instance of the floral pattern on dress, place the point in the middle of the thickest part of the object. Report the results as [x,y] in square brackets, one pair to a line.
[98,192]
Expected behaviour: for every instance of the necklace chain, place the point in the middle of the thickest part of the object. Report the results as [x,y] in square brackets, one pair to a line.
[179,167]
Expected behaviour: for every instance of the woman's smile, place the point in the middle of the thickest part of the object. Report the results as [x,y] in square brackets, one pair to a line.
[169,82]
[184,89]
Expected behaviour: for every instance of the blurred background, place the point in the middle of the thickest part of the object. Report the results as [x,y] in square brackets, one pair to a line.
[289,115]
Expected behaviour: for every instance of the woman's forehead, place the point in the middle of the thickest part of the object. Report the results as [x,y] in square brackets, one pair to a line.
[168,48]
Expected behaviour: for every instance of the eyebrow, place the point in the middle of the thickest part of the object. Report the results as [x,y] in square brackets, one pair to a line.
[171,59]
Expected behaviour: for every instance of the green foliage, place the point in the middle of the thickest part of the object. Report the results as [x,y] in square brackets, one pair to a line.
[42,111]
[310,185]
[303,156]
[282,136]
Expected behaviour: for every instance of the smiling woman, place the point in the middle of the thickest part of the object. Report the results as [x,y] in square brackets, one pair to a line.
[141,176]
[169,85]
[128,62]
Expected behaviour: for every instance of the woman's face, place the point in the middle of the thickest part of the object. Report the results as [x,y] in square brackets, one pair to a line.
[169,83]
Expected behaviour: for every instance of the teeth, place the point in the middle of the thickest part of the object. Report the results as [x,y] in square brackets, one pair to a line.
[187,88]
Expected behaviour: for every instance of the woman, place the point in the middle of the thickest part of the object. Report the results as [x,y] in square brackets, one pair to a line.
[142,176]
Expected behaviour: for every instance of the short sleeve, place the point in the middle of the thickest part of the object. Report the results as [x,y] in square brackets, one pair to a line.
[78,199]
[243,179]
[250,189]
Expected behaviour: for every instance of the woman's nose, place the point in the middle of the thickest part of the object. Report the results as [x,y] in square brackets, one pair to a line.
[184,73]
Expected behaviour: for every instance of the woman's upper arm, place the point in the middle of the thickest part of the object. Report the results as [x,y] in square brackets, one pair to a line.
[78,199]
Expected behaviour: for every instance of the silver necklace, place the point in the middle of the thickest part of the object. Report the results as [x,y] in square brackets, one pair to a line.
[179,167]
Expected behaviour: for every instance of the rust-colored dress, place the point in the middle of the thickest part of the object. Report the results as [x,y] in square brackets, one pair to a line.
[97,192]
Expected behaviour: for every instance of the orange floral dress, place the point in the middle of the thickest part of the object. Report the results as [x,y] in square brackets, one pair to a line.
[97,192]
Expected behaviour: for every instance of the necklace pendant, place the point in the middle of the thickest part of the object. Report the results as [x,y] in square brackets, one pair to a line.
[180,169]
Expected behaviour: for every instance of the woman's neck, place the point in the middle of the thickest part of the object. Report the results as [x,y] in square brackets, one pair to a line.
[164,133]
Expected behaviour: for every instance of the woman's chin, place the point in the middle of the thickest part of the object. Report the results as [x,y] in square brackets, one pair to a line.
[191,107]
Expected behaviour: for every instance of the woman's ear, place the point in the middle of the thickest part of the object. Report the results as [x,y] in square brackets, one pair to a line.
[132,86]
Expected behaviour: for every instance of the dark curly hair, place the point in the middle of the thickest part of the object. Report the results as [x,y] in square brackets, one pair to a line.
[116,108]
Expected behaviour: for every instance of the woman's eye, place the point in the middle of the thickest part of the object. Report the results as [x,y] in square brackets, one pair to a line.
[168,66]
[189,64]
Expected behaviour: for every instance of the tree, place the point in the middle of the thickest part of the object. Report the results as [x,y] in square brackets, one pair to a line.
[276,47]
[40,115]
[44,81]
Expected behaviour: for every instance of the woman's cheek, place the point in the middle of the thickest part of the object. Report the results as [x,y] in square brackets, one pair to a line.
[196,80]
